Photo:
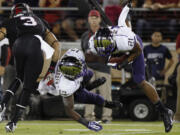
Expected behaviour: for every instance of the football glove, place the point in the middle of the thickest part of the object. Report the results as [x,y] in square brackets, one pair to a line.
[96,83]
[118,66]
[51,69]
[95,126]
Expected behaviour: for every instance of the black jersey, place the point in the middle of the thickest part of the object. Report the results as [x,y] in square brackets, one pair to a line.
[30,24]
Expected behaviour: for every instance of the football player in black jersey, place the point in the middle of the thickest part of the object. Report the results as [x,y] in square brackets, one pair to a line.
[36,51]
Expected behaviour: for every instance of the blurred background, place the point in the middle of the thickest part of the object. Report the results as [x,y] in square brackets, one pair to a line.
[68,21]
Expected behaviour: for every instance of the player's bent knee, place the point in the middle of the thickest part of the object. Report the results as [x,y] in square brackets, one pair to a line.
[99,100]
[142,83]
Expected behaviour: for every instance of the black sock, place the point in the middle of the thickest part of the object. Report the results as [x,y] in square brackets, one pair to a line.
[6,97]
[18,113]
[11,91]
[23,101]
[160,106]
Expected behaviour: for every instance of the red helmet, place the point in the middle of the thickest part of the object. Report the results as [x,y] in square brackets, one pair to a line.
[20,8]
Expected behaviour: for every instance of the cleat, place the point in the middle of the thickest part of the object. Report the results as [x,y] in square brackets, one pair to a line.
[113,104]
[106,121]
[2,112]
[167,117]
[116,104]
[10,127]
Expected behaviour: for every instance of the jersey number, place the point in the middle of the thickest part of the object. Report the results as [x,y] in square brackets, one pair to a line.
[29,21]
[131,42]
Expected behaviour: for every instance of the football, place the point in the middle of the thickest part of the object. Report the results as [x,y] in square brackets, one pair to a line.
[118,59]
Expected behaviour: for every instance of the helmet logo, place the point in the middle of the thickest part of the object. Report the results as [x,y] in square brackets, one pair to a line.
[18,10]
[103,42]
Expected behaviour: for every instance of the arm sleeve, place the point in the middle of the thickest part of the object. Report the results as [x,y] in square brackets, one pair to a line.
[123,16]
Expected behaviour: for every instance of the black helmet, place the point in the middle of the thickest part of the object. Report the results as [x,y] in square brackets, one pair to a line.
[103,41]
[20,8]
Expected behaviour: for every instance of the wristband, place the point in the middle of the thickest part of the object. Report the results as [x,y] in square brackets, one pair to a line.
[52,66]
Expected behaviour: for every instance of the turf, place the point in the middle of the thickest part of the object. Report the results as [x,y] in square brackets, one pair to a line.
[73,128]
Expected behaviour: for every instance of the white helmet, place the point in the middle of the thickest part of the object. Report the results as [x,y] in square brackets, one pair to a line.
[104,42]
[72,64]
[78,54]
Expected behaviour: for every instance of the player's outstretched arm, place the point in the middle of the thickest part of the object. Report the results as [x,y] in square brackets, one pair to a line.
[54,43]
[123,16]
[69,107]
[2,33]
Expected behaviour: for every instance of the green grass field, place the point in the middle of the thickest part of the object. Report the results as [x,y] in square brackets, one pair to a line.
[73,128]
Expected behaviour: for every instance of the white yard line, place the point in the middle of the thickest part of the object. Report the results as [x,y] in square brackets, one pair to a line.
[110,124]
[125,130]
[133,133]
[72,124]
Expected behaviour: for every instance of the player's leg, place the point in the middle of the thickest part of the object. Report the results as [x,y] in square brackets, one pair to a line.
[8,77]
[105,91]
[32,69]
[89,108]
[20,62]
[13,86]
[177,115]
[8,94]
[138,67]
[87,97]
[88,76]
